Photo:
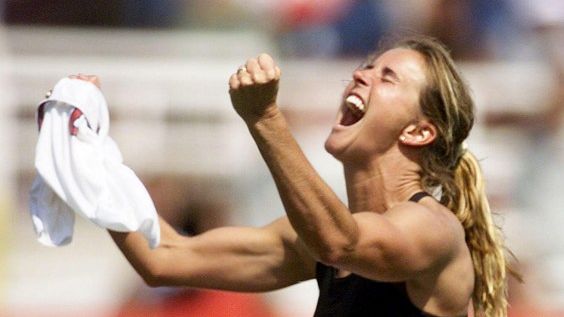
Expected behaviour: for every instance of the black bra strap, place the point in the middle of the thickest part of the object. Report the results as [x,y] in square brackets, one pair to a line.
[418,196]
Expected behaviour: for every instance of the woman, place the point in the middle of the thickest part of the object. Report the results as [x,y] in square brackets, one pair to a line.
[393,250]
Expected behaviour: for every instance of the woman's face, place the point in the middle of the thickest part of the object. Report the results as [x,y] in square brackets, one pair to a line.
[380,101]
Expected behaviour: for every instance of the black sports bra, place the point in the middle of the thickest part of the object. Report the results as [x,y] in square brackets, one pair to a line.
[418,196]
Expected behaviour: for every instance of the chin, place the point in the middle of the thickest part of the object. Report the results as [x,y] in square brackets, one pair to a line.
[332,148]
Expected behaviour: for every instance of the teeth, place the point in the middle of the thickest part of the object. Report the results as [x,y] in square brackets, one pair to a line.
[355,104]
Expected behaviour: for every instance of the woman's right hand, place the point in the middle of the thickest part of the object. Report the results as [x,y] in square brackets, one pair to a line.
[254,87]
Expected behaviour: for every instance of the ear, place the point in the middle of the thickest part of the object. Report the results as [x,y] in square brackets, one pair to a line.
[418,134]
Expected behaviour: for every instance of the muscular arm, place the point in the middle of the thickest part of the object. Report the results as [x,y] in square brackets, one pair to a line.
[321,219]
[377,246]
[238,259]
[229,258]
[395,246]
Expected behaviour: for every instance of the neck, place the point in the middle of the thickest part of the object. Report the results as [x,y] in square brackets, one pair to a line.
[382,182]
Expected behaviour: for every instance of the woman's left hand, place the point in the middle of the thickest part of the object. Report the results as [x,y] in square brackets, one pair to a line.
[254,87]
[90,78]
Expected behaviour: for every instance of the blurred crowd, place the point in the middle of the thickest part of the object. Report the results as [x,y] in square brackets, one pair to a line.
[473,29]
[478,32]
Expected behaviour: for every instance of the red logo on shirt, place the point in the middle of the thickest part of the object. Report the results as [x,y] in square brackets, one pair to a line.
[76,113]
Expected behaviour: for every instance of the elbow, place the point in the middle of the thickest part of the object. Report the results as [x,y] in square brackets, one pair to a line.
[329,258]
[336,248]
[153,276]
[161,269]
[335,255]
[332,258]
[153,281]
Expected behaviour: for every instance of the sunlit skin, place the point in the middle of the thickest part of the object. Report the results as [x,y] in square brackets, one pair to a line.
[89,78]
[373,150]
[379,234]
[390,87]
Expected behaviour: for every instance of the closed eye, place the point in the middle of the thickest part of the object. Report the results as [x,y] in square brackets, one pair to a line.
[388,75]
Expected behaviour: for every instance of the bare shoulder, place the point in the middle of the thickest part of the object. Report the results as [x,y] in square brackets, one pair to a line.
[436,228]
[445,288]
[407,241]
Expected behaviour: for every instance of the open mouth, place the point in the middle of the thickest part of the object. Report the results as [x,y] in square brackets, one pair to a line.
[353,111]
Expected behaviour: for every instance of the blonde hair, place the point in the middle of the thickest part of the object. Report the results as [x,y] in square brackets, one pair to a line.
[447,165]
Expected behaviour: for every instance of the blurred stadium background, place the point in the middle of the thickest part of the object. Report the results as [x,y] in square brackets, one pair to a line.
[164,67]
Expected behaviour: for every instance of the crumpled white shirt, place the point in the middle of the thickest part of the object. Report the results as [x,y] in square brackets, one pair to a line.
[80,170]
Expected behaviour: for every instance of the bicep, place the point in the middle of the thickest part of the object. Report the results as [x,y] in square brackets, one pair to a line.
[241,259]
[395,248]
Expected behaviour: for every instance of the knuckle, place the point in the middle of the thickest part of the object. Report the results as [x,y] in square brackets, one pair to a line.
[265,57]
[240,77]
[246,81]
[271,74]
[233,83]
[266,61]
[258,76]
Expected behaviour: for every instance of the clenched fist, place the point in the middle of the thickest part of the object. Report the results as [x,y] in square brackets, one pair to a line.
[253,88]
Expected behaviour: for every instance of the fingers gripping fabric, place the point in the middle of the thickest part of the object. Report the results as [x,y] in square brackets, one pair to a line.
[80,170]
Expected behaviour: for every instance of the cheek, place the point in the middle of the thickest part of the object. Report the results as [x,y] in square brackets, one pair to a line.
[393,109]
[403,102]
[388,102]
[389,94]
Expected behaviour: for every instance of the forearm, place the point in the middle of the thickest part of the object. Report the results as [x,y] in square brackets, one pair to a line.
[228,258]
[321,220]
[319,217]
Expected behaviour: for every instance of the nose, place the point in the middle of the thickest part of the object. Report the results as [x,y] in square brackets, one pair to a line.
[360,78]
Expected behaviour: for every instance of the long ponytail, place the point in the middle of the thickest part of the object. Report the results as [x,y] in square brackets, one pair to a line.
[483,237]
[446,164]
